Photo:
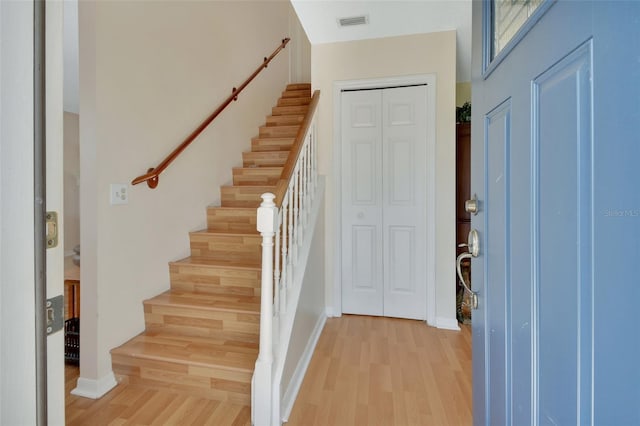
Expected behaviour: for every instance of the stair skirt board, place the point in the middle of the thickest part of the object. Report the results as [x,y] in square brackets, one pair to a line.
[291,393]
[292,303]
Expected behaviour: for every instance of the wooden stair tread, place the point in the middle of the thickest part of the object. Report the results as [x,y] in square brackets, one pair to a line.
[226,233]
[210,301]
[276,120]
[235,208]
[191,350]
[267,188]
[299,93]
[287,110]
[298,86]
[284,139]
[266,169]
[216,263]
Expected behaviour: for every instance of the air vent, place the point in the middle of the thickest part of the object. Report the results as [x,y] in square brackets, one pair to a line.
[353,20]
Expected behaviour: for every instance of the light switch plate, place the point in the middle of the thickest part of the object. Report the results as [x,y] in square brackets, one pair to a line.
[119,193]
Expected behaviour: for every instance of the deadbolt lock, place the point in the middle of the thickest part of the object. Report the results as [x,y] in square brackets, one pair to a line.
[471,206]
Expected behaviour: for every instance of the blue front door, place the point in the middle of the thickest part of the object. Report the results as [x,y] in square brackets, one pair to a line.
[555,154]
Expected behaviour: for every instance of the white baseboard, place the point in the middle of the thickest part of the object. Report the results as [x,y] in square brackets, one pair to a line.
[291,392]
[95,389]
[447,323]
[330,312]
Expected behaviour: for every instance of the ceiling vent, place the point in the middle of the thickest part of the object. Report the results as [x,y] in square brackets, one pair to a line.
[353,20]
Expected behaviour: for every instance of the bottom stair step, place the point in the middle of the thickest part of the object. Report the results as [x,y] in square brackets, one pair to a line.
[213,368]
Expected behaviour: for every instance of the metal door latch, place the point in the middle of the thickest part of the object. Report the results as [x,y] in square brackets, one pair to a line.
[55,314]
[52,229]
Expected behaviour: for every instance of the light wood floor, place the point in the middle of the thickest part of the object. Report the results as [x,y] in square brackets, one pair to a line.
[386,371]
[139,405]
[365,371]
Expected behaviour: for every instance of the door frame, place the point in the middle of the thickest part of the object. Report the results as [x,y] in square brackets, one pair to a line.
[383,83]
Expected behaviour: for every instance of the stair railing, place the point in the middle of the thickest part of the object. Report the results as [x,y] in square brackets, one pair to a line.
[152,175]
[283,223]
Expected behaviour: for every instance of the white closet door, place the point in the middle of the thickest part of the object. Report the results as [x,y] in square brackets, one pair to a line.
[383,202]
[362,273]
[404,145]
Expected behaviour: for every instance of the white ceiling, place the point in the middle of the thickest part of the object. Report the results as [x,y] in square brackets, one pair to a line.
[388,18]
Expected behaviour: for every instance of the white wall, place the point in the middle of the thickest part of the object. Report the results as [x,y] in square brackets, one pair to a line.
[149,73]
[432,53]
[71,181]
[17,326]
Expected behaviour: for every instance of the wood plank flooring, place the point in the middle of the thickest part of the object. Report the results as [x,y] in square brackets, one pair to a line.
[386,371]
[365,371]
[140,405]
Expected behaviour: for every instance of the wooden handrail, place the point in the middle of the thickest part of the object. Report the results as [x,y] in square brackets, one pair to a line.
[151,177]
[287,170]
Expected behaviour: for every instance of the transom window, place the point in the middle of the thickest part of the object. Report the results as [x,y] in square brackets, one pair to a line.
[508,17]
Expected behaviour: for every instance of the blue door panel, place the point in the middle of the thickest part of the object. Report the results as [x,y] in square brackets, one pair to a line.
[562,141]
[616,210]
[556,168]
[498,137]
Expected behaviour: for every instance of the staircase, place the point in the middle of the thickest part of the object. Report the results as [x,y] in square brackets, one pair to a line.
[202,334]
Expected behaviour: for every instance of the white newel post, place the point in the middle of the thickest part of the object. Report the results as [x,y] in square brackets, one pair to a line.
[262,383]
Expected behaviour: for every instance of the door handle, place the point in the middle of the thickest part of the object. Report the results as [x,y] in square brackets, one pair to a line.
[474,295]
[473,244]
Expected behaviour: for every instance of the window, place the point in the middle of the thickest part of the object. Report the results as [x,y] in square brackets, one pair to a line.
[508,17]
[506,22]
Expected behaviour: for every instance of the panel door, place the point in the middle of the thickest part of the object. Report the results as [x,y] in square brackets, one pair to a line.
[383,202]
[554,138]
[362,233]
[404,178]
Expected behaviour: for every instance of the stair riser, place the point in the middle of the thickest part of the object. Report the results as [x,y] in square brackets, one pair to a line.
[243,248]
[293,101]
[299,86]
[279,131]
[257,176]
[271,144]
[202,322]
[304,93]
[264,159]
[285,120]
[236,220]
[207,382]
[215,280]
[289,110]
[243,196]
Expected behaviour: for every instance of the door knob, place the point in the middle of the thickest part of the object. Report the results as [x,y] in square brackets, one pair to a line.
[471,206]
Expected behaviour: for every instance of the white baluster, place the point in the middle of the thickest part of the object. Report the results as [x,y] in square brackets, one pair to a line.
[276,265]
[285,256]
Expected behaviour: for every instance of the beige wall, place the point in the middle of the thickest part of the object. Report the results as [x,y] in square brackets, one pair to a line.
[463,93]
[71,181]
[433,53]
[299,50]
[149,73]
